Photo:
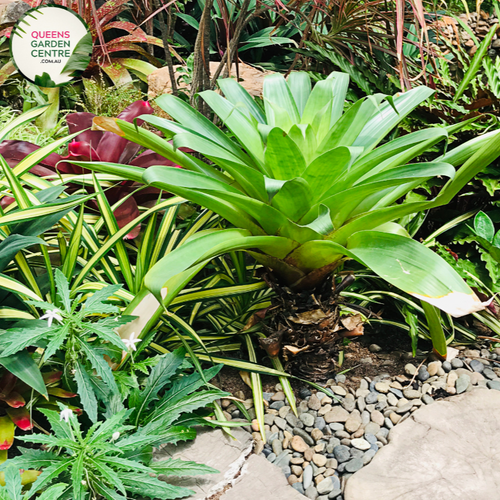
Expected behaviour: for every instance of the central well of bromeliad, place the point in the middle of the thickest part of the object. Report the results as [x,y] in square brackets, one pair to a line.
[307,329]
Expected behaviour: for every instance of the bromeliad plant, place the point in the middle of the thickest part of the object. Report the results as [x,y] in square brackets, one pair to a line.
[307,185]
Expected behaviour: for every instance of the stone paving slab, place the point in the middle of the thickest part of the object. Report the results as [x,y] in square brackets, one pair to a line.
[242,476]
[215,449]
[260,480]
[449,450]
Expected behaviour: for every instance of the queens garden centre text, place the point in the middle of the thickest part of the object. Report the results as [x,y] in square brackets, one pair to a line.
[50,44]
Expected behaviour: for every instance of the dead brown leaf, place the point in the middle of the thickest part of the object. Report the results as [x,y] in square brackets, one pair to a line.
[352,322]
[255,318]
[245,376]
[309,317]
[356,332]
[295,350]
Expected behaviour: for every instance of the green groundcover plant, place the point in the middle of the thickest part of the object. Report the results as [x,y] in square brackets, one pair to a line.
[307,185]
[108,461]
[476,250]
[113,458]
[83,332]
[12,490]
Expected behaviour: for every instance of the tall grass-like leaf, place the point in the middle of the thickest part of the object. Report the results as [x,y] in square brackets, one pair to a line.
[475,63]
[96,286]
[286,385]
[75,241]
[43,210]
[219,292]
[20,195]
[22,119]
[258,395]
[412,320]
[16,287]
[465,26]
[27,273]
[112,226]
[37,156]
[235,363]
[145,250]
[219,415]
[101,251]
[166,227]
[186,328]
[14,243]
[436,331]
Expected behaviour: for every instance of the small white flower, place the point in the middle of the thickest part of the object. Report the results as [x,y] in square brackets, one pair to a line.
[130,342]
[84,483]
[51,316]
[65,414]
[115,436]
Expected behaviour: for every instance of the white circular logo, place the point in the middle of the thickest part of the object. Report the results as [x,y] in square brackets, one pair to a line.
[51,45]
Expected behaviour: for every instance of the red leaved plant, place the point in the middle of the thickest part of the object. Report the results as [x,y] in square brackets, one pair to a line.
[13,396]
[93,145]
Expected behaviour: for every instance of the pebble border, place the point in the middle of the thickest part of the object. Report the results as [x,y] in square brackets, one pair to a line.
[336,434]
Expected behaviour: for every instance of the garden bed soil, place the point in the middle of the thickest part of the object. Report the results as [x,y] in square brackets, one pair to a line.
[359,362]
